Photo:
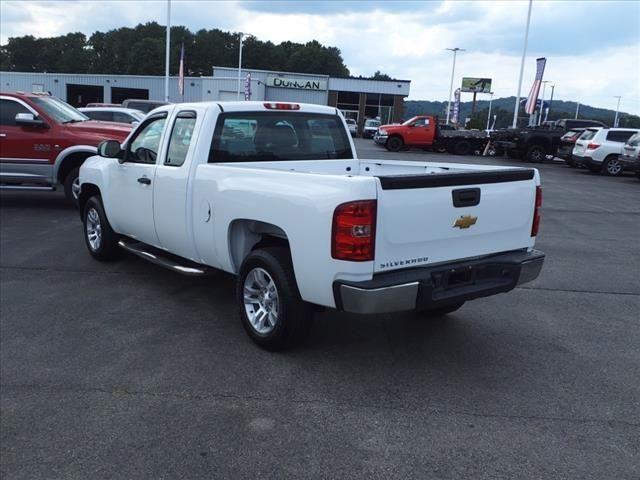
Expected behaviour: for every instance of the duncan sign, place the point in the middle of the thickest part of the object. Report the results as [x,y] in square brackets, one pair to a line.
[297,83]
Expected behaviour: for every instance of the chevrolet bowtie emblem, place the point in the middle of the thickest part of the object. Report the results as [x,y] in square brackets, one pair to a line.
[465,221]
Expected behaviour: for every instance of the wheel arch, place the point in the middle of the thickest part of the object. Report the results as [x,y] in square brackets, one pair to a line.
[88,190]
[246,235]
[70,158]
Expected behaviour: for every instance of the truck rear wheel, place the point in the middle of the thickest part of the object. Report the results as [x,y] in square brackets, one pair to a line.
[536,154]
[101,240]
[269,303]
[462,147]
[395,144]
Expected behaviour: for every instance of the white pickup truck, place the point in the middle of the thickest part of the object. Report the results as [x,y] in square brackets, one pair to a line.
[275,194]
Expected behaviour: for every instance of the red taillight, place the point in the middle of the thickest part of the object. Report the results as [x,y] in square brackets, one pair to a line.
[593,146]
[354,231]
[536,212]
[281,106]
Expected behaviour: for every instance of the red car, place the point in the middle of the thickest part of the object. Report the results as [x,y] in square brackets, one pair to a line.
[43,142]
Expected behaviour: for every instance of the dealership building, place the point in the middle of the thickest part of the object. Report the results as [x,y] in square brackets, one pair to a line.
[357,98]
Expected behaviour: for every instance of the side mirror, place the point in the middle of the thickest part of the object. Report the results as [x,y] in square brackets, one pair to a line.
[30,120]
[110,149]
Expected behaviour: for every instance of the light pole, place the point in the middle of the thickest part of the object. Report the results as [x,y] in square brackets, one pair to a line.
[524,54]
[242,35]
[615,120]
[489,115]
[553,88]
[577,109]
[166,53]
[544,86]
[453,70]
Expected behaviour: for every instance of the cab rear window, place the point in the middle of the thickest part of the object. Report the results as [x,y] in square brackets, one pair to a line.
[267,136]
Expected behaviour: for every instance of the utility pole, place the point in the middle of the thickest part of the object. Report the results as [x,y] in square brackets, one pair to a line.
[166,53]
[615,120]
[524,54]
[550,102]
[453,70]
[240,65]
[577,109]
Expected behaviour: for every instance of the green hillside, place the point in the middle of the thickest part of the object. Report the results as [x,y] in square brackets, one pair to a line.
[503,108]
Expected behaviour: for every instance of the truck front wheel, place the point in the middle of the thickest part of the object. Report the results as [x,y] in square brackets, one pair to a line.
[269,303]
[101,240]
[394,144]
[72,186]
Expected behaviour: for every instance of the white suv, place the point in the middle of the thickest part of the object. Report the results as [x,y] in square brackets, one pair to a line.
[598,149]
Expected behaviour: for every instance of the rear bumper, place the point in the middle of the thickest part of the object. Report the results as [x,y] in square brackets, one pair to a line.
[584,161]
[441,285]
[630,164]
[564,151]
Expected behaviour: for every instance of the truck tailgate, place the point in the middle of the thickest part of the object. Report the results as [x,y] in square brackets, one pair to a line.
[427,219]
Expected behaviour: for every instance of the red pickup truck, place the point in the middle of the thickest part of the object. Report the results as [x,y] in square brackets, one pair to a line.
[423,131]
[43,142]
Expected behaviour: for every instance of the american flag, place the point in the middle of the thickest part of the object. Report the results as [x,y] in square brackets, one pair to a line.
[181,73]
[532,100]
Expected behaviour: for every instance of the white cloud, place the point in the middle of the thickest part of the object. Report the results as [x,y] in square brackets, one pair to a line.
[406,43]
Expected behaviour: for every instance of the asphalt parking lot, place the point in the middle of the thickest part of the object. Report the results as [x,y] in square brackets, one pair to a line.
[129,371]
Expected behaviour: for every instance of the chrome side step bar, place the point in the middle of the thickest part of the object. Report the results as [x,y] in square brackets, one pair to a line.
[26,188]
[165,260]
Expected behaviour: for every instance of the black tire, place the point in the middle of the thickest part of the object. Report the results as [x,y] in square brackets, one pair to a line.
[441,311]
[462,147]
[536,154]
[106,248]
[292,314]
[72,191]
[395,144]
[612,166]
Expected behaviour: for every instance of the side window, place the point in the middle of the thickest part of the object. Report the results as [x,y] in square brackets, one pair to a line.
[180,140]
[144,146]
[422,122]
[619,136]
[8,111]
[122,118]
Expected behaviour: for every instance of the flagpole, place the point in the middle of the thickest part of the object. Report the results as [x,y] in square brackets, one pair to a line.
[166,53]
[524,55]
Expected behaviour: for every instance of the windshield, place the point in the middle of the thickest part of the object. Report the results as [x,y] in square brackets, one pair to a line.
[58,110]
[588,134]
[264,136]
[411,120]
[634,141]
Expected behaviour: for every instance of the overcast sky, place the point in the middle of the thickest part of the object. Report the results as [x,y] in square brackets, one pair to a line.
[592,47]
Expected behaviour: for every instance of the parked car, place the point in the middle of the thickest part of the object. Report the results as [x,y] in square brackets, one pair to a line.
[352,125]
[370,127]
[292,212]
[143,105]
[599,149]
[630,156]
[567,142]
[114,114]
[533,144]
[43,142]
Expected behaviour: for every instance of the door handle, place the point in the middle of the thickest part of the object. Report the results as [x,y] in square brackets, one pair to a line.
[144,180]
[3,135]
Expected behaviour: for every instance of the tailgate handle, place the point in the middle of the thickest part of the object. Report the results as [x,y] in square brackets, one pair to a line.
[466,197]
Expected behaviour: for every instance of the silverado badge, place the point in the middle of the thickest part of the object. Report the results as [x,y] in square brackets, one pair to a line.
[465,221]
